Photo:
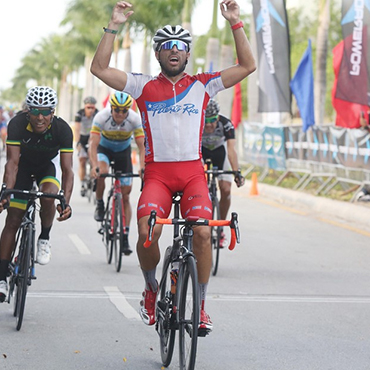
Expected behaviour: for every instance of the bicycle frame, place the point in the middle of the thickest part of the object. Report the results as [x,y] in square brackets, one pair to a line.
[22,269]
[114,223]
[176,309]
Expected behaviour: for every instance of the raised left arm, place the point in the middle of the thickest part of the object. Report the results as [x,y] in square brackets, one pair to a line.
[246,62]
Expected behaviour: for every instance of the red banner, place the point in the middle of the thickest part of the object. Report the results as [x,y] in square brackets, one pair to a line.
[348,114]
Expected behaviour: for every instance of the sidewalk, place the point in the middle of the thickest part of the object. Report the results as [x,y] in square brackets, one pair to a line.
[357,214]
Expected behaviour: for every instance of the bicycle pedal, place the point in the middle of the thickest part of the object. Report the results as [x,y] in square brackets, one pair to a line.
[203,332]
[101,231]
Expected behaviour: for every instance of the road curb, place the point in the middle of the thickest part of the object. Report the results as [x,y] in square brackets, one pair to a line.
[356,213]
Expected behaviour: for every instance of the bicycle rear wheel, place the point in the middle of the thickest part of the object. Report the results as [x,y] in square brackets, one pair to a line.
[107,237]
[215,236]
[165,313]
[23,277]
[118,232]
[188,313]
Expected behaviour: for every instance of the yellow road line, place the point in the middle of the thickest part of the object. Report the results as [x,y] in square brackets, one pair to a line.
[344,226]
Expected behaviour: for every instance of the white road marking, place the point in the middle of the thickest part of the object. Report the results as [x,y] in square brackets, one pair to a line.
[115,296]
[79,244]
[119,300]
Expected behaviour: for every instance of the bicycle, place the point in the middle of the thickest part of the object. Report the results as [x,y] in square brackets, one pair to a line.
[89,185]
[113,226]
[178,299]
[212,173]
[22,267]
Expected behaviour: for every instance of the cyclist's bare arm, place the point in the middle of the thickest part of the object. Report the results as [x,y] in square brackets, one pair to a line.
[232,155]
[100,65]
[67,182]
[77,130]
[140,144]
[93,153]
[11,169]
[246,63]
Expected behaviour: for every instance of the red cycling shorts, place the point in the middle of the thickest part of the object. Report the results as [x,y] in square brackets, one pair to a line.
[163,179]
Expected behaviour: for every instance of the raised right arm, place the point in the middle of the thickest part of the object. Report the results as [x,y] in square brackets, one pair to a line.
[112,77]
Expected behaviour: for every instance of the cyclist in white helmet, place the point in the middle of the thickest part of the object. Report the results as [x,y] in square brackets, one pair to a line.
[218,145]
[39,144]
[172,107]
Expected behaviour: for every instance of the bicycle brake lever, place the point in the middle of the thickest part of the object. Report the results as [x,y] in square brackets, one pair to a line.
[235,225]
[151,223]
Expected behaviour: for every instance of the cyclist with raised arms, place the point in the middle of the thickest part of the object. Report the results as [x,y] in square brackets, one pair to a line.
[218,145]
[39,144]
[83,123]
[172,107]
[110,140]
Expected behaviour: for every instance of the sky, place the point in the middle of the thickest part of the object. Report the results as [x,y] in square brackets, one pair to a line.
[25,23]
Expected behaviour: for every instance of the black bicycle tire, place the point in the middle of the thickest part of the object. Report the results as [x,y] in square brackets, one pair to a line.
[106,231]
[118,232]
[188,272]
[215,236]
[12,280]
[23,279]
[166,336]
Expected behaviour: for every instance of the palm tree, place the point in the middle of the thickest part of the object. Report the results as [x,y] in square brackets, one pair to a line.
[225,97]
[213,44]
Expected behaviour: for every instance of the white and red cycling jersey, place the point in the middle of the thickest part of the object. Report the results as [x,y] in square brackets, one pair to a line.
[173,114]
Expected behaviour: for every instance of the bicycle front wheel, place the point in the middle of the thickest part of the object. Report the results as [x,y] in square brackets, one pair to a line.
[165,312]
[118,232]
[23,276]
[107,237]
[188,313]
[215,236]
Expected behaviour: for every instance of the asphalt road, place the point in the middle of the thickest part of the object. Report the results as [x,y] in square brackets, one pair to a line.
[294,295]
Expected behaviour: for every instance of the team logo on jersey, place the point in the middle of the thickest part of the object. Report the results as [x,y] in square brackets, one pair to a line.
[174,105]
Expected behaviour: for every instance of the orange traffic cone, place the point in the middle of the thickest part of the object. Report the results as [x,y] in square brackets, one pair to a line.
[133,157]
[254,190]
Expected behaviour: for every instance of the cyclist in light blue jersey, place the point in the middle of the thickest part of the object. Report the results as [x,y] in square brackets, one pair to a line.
[110,140]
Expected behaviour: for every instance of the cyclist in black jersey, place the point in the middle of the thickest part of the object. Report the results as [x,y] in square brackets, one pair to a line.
[218,145]
[39,144]
[83,122]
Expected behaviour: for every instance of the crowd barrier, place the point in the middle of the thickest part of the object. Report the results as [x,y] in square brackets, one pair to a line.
[328,155]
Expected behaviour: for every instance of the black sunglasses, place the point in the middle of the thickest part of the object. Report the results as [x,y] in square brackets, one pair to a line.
[44,112]
[119,110]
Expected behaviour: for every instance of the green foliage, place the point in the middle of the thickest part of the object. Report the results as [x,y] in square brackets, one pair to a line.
[154,14]
[303,26]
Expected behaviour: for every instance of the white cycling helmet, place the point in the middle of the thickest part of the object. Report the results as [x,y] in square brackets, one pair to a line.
[212,108]
[171,33]
[41,97]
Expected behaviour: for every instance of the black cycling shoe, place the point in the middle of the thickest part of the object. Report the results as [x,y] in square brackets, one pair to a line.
[126,247]
[99,212]
[126,251]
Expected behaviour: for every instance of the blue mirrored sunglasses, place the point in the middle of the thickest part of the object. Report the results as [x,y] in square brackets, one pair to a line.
[44,112]
[168,45]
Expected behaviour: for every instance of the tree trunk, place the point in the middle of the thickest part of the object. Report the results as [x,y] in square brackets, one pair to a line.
[321,55]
